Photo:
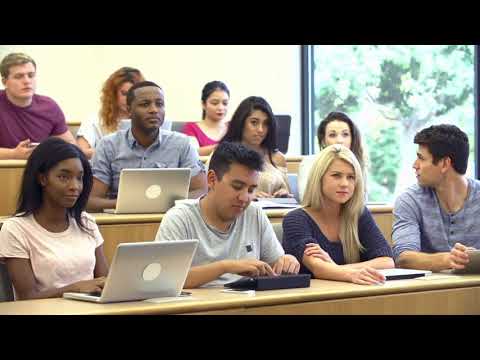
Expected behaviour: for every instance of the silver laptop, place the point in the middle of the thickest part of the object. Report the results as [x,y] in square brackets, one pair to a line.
[143,191]
[145,270]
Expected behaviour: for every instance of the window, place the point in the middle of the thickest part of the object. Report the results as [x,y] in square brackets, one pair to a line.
[391,92]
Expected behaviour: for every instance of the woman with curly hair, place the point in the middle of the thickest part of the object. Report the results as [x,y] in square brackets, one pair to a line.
[113,109]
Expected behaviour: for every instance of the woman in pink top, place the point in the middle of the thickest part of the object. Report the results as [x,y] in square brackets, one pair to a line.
[51,245]
[208,132]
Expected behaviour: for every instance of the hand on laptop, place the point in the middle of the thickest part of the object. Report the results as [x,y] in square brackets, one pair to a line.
[286,264]
[282,193]
[89,286]
[248,267]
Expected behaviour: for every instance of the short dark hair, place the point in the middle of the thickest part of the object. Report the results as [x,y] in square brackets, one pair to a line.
[446,141]
[45,156]
[243,111]
[356,145]
[141,84]
[209,88]
[228,153]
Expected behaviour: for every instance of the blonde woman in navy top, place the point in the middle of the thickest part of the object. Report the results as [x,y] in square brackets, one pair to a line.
[333,235]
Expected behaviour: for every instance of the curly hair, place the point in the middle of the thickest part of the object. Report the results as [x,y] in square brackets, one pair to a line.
[109,108]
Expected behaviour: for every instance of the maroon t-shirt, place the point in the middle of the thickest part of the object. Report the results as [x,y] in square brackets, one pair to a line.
[41,119]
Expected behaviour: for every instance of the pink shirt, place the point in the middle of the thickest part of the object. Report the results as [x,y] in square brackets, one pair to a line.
[57,259]
[192,129]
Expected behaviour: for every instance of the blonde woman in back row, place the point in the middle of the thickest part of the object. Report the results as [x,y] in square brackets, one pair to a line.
[333,235]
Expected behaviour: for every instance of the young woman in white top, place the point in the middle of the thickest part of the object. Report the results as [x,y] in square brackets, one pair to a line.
[336,128]
[51,245]
[253,124]
[113,109]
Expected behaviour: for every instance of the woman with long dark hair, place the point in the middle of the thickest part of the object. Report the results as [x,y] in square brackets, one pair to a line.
[253,124]
[336,128]
[207,133]
[51,245]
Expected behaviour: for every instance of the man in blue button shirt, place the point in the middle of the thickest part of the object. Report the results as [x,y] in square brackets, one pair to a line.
[436,221]
[143,145]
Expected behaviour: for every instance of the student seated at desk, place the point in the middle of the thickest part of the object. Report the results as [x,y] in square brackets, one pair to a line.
[253,124]
[336,128]
[334,235]
[207,133]
[112,111]
[236,237]
[25,117]
[113,114]
[143,145]
[436,220]
[52,246]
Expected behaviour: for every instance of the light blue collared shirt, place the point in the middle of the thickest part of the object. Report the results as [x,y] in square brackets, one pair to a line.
[120,150]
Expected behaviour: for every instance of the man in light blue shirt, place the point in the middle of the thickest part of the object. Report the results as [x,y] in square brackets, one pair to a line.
[436,221]
[143,145]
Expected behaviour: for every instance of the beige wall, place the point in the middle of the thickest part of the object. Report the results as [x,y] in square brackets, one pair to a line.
[73,75]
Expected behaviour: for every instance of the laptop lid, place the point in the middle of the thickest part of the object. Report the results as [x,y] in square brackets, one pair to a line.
[145,270]
[142,191]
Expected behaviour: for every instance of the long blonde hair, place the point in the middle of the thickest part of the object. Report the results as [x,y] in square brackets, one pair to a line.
[350,211]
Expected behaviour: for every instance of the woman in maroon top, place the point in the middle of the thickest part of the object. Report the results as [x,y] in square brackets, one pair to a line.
[208,132]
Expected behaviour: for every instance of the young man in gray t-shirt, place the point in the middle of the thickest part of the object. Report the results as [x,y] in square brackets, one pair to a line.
[436,221]
[236,237]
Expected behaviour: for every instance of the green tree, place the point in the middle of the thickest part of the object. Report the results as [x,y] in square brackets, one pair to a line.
[412,86]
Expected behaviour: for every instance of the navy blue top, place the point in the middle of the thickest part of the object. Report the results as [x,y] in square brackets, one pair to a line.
[300,229]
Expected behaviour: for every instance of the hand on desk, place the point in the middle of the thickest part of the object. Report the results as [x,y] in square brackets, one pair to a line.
[458,257]
[366,276]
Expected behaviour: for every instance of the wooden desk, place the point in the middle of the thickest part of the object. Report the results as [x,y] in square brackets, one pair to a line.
[11,172]
[117,229]
[453,295]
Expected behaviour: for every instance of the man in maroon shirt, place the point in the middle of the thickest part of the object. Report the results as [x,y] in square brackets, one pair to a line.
[26,118]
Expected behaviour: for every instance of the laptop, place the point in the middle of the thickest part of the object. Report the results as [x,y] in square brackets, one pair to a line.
[143,191]
[277,203]
[401,274]
[145,270]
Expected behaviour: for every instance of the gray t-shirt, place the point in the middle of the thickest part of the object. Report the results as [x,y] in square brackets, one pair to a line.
[251,236]
[420,223]
[120,150]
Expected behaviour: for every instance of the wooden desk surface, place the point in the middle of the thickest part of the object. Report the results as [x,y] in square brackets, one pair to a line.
[445,295]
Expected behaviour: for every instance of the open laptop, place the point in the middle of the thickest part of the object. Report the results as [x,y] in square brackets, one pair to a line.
[143,191]
[145,270]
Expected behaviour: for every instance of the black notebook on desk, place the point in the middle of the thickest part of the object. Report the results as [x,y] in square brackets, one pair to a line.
[271,282]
